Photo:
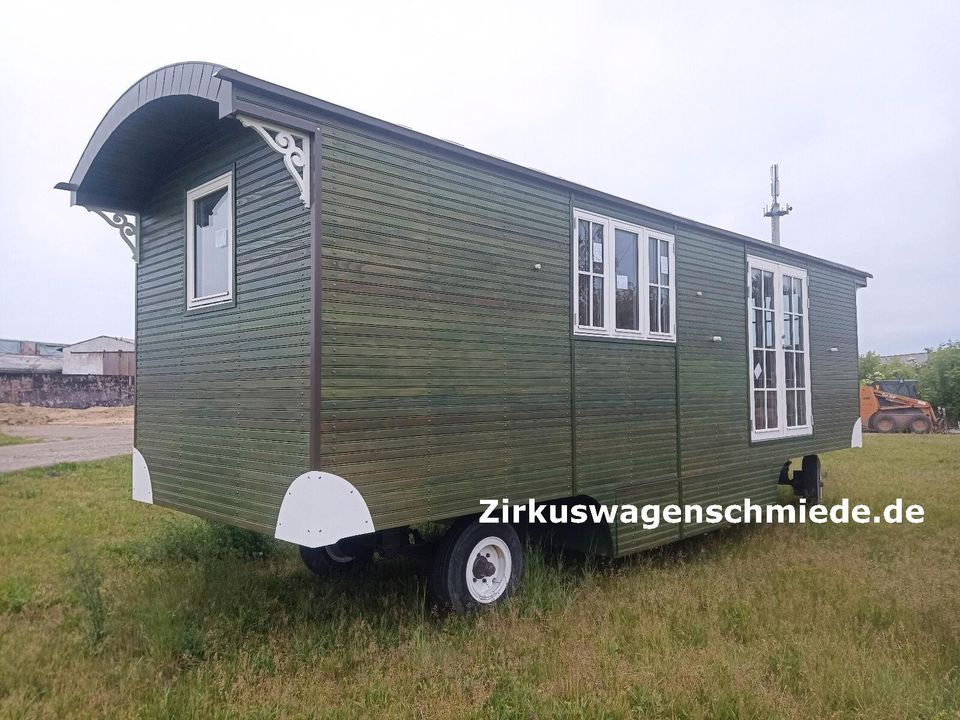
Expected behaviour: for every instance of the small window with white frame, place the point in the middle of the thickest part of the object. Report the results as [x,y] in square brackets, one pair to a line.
[660,288]
[779,347]
[209,234]
[591,251]
[623,279]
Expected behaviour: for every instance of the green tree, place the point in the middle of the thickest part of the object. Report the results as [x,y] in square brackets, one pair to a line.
[940,379]
[872,368]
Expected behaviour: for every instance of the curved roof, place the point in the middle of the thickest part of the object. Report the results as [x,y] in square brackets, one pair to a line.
[178,96]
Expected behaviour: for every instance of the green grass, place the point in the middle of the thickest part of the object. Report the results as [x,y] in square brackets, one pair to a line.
[15,440]
[110,608]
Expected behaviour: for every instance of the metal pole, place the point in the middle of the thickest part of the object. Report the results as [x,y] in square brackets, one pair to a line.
[775,212]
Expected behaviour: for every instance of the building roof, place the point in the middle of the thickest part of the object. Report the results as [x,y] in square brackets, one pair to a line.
[96,344]
[188,91]
[30,347]
[918,358]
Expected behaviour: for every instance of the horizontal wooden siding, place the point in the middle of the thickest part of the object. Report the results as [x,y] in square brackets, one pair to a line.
[446,352]
[626,416]
[222,393]
[719,463]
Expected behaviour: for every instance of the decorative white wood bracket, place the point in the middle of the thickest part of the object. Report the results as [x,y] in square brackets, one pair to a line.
[293,145]
[127,223]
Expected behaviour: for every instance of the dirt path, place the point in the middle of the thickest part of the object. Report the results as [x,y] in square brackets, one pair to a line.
[27,415]
[63,443]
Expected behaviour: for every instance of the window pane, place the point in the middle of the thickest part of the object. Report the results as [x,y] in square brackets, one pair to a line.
[800,375]
[768,290]
[664,310]
[758,328]
[627,266]
[797,295]
[787,294]
[801,407]
[798,332]
[791,408]
[756,287]
[653,310]
[768,330]
[759,410]
[664,262]
[770,369]
[597,247]
[583,299]
[211,244]
[772,421]
[788,369]
[597,301]
[583,246]
[652,260]
[787,332]
[757,370]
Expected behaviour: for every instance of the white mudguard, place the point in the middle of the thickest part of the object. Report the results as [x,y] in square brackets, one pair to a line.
[856,439]
[142,487]
[320,508]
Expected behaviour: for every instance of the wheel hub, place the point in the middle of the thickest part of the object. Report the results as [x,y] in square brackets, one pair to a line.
[488,573]
[483,568]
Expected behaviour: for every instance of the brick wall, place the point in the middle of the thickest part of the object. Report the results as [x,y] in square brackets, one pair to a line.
[66,391]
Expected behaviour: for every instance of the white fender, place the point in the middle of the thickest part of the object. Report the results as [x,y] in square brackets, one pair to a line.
[856,439]
[142,487]
[320,508]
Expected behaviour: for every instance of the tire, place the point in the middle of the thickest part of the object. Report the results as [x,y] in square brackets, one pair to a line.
[919,424]
[476,566]
[885,423]
[333,558]
[811,487]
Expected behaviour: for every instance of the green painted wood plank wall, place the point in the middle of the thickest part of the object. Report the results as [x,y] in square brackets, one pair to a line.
[719,463]
[448,368]
[222,394]
[446,353]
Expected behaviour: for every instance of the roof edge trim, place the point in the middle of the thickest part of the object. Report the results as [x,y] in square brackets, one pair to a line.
[267,88]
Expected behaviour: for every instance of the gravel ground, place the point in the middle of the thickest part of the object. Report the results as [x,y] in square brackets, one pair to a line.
[64,443]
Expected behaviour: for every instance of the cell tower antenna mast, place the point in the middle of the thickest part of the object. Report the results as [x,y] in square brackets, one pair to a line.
[775,211]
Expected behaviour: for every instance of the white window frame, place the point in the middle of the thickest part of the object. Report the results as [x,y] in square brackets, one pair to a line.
[591,329]
[779,270]
[669,239]
[609,329]
[224,181]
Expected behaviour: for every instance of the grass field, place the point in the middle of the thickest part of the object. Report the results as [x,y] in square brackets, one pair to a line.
[109,608]
[14,440]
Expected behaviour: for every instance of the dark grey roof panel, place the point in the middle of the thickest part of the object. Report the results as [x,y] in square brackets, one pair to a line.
[196,79]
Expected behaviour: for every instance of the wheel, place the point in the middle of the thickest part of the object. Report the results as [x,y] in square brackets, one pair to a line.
[333,558]
[811,487]
[920,424]
[476,566]
[885,423]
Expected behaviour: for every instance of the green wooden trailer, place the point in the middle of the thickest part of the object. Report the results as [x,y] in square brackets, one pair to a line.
[346,328]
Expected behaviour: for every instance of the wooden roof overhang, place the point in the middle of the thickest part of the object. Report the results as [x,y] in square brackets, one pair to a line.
[133,143]
[136,143]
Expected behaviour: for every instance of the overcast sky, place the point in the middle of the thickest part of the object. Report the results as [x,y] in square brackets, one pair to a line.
[681,106]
